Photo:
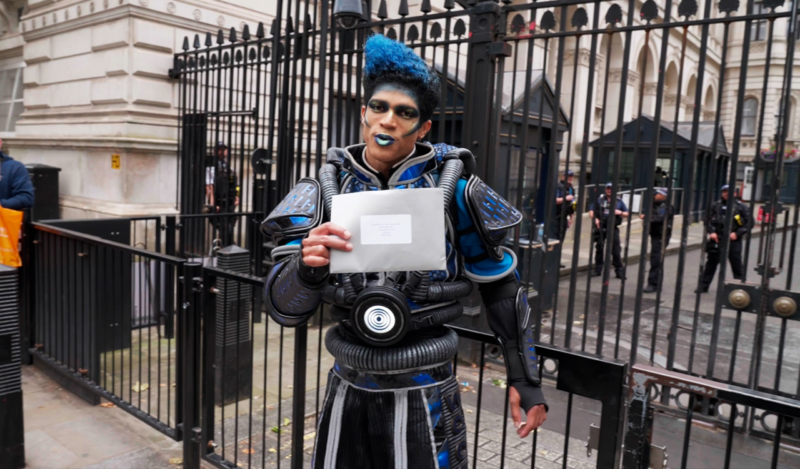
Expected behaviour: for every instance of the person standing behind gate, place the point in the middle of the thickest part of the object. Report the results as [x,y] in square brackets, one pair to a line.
[663,214]
[222,191]
[16,188]
[715,226]
[600,212]
[565,205]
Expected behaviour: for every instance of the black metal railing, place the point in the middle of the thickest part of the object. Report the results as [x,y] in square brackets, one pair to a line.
[262,386]
[650,438]
[97,322]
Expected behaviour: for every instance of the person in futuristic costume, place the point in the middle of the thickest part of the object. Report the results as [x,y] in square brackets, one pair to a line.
[392,400]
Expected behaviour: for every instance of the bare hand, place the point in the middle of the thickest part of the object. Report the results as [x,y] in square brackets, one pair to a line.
[641,215]
[733,236]
[618,212]
[536,415]
[597,223]
[236,202]
[569,198]
[713,237]
[320,240]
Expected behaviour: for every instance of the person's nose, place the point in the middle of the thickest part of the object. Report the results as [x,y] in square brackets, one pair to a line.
[388,121]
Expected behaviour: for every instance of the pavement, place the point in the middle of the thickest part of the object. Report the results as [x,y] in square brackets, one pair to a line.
[63,431]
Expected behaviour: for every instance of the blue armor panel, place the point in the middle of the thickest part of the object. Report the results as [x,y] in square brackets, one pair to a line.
[493,216]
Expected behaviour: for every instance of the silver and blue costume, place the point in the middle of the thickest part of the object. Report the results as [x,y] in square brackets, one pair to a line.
[392,400]
[393,390]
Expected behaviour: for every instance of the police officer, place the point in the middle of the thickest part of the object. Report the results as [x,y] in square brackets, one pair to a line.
[715,226]
[222,189]
[600,212]
[662,214]
[565,204]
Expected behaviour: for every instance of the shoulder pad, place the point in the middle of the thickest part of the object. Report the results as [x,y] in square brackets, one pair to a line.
[298,212]
[492,215]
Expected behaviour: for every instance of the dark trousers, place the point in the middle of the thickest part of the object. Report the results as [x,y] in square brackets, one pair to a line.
[616,249]
[656,261]
[712,261]
[224,227]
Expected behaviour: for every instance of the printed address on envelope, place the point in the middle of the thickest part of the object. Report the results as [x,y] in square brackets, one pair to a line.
[386,229]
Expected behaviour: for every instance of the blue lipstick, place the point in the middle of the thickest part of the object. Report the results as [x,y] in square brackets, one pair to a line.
[384,140]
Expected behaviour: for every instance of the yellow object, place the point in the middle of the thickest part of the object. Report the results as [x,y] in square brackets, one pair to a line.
[115,162]
[738,220]
[10,226]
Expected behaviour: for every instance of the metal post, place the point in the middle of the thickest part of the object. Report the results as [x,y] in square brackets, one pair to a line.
[480,77]
[299,401]
[191,309]
[28,298]
[169,300]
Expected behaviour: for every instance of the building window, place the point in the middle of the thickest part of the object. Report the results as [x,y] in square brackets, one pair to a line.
[11,105]
[758,28]
[749,117]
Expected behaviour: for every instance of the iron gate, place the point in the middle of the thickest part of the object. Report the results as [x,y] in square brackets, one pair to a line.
[613,90]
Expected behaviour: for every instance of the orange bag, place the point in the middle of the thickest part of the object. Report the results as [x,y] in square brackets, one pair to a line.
[10,227]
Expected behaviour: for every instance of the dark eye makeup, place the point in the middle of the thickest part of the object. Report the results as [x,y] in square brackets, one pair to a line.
[406,112]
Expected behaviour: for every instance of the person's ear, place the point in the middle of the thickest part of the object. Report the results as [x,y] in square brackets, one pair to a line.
[363,112]
[423,130]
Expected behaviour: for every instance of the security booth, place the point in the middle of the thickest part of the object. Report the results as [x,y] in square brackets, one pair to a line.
[530,122]
[760,175]
[710,171]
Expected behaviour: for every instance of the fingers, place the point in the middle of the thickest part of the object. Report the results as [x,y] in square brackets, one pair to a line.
[316,261]
[331,242]
[536,417]
[329,228]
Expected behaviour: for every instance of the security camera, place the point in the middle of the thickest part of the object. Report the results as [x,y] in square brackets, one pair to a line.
[348,13]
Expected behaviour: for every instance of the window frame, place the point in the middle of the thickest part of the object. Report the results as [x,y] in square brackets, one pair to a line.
[6,127]
[754,117]
[759,27]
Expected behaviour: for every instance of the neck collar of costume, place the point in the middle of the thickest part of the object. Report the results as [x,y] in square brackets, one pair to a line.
[405,171]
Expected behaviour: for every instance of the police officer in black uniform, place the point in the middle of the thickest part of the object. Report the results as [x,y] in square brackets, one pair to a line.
[565,204]
[225,191]
[715,226]
[600,212]
[663,213]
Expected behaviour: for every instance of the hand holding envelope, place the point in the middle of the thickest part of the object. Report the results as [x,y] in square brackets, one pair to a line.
[391,230]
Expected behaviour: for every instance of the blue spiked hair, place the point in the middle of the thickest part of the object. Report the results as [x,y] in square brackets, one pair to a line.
[390,62]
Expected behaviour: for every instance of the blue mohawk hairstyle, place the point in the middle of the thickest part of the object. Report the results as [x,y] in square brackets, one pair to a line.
[391,62]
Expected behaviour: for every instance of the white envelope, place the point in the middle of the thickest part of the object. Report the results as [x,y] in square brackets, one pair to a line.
[392,230]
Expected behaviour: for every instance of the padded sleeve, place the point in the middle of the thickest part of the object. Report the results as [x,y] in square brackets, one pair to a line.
[500,300]
[289,293]
[297,214]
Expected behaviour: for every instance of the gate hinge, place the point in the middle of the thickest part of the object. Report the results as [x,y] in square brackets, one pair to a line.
[500,48]
[197,285]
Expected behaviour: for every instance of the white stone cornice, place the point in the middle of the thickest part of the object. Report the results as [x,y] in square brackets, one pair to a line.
[115,209]
[138,145]
[189,20]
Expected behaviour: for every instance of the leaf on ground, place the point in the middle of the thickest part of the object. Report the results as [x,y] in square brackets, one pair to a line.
[140,387]
[248,451]
[474,365]
[163,385]
[309,436]
[290,386]
[275,429]
[173,385]
[273,450]
[107,405]
[286,422]
[176,461]
[469,411]
[499,382]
